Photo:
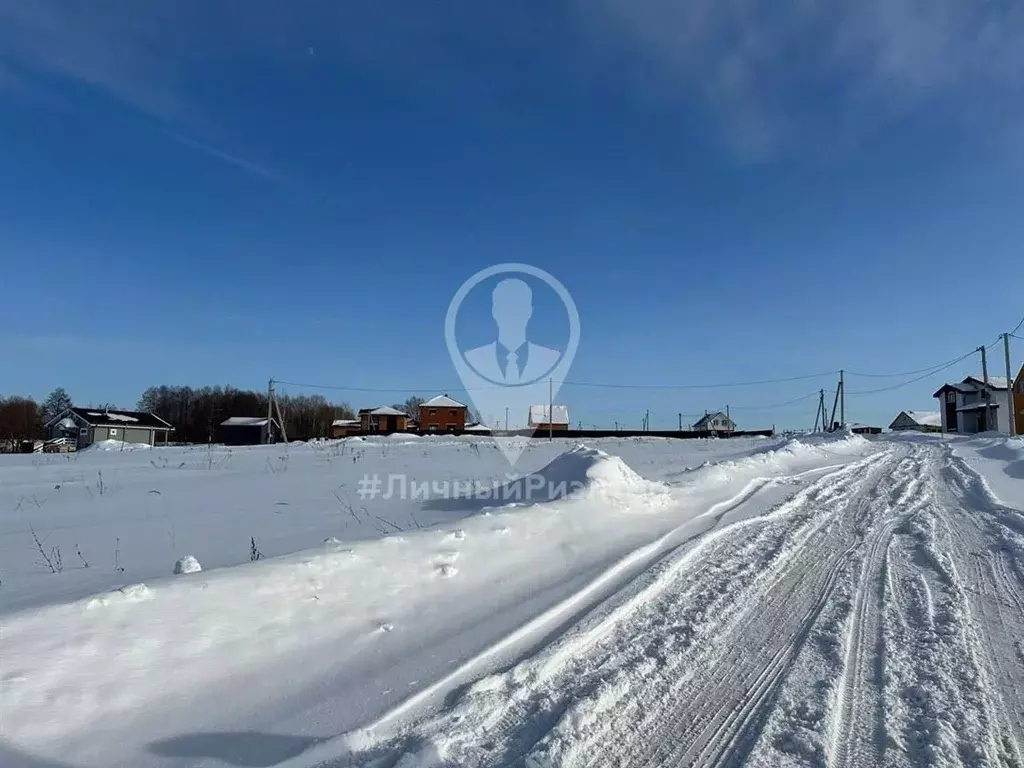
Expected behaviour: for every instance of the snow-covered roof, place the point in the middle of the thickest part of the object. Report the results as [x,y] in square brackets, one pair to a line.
[539,414]
[386,410]
[994,382]
[67,423]
[244,421]
[345,422]
[925,418]
[119,417]
[443,401]
[477,428]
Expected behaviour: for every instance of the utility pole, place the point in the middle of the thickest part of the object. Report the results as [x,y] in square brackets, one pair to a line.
[647,421]
[820,415]
[728,419]
[551,412]
[506,419]
[842,399]
[986,394]
[270,412]
[680,422]
[1012,428]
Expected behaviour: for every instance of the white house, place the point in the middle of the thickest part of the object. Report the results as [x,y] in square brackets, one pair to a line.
[714,422]
[918,421]
[969,407]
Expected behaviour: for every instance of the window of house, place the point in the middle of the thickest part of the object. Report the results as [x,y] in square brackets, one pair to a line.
[951,397]
[432,428]
[83,431]
[452,413]
[113,433]
[433,412]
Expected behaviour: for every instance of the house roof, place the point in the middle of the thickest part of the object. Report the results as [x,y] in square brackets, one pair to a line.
[99,417]
[477,428]
[921,418]
[387,410]
[957,387]
[244,421]
[974,383]
[539,414]
[994,382]
[443,401]
[345,423]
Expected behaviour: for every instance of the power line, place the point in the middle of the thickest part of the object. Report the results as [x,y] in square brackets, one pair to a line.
[1019,326]
[936,367]
[795,400]
[566,383]
[931,372]
[699,386]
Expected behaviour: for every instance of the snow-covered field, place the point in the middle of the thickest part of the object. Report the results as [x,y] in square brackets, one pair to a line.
[813,601]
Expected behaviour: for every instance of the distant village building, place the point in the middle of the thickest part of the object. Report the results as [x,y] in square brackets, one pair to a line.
[917,421]
[85,426]
[557,421]
[345,428]
[442,414]
[971,406]
[243,430]
[382,421]
[714,422]
[864,429]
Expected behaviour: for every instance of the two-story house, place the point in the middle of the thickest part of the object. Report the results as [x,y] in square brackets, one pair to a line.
[442,414]
[969,406]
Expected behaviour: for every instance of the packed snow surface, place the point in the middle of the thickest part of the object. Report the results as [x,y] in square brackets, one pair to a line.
[414,603]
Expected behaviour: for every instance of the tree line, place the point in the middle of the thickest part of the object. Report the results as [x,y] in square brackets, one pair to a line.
[195,413]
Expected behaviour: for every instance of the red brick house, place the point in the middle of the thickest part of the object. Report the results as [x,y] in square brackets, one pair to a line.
[442,414]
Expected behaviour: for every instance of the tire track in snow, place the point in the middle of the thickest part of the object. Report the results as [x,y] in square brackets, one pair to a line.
[711,701]
[632,655]
[857,730]
[993,592]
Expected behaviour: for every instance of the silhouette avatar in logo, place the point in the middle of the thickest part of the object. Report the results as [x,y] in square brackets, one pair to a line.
[512,360]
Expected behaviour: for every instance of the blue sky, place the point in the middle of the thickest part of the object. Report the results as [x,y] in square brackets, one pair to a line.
[220,192]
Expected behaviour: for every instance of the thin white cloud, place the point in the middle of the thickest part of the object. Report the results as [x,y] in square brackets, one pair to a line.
[226,157]
[765,66]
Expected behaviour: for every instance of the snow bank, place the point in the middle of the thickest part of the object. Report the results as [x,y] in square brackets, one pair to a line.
[584,475]
[117,445]
[187,564]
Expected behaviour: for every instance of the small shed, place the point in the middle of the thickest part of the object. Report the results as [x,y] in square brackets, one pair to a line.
[553,418]
[243,430]
[864,429]
[345,428]
[476,429]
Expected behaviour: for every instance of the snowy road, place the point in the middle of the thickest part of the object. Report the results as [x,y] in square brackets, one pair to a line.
[830,602]
[874,618]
